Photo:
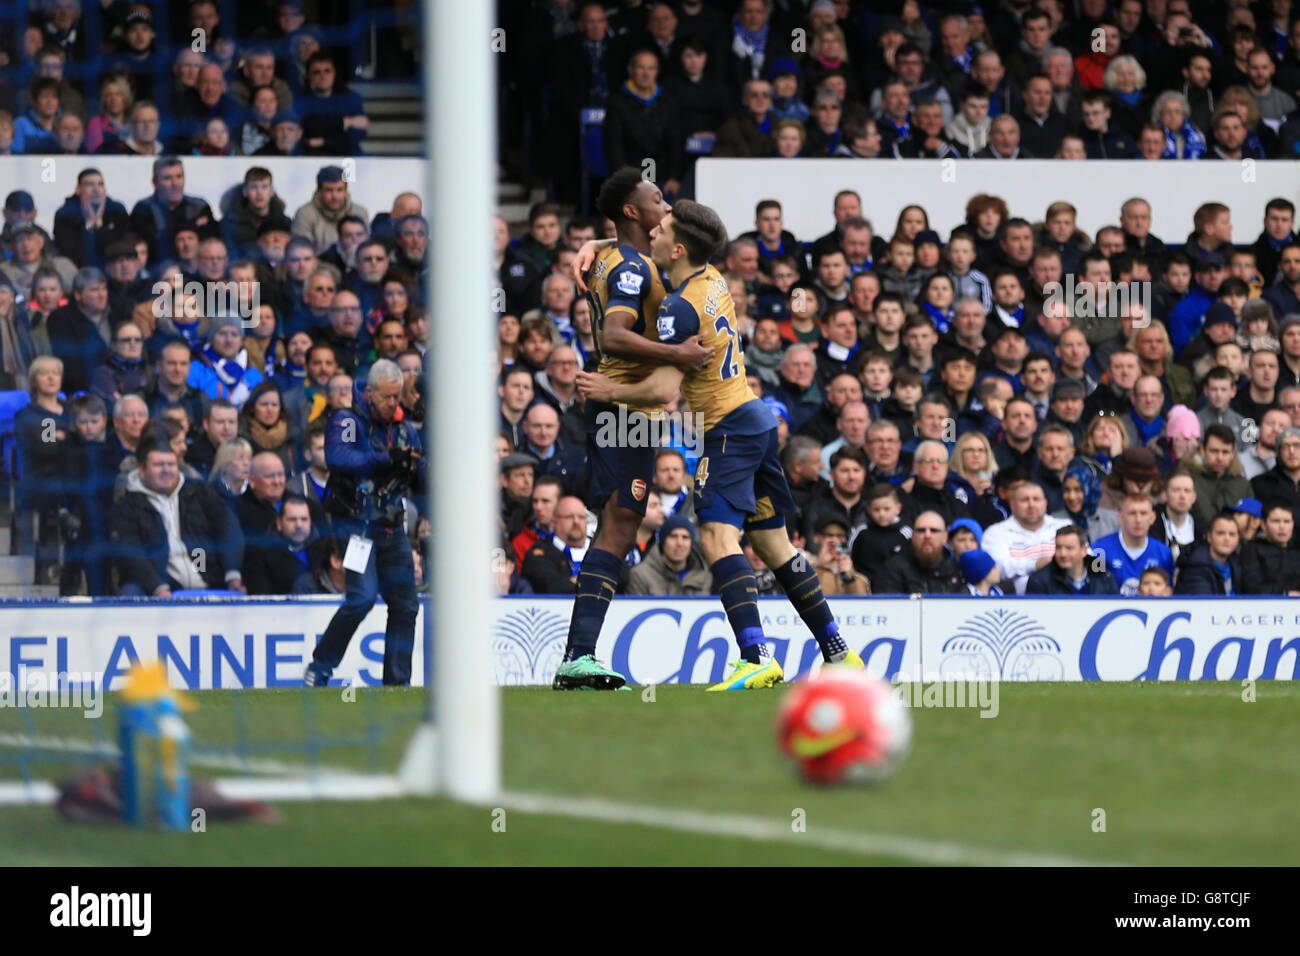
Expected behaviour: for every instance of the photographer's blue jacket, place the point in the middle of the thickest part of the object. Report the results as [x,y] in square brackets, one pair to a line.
[365,457]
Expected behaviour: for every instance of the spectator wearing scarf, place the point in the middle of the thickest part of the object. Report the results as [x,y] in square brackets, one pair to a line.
[1145,420]
[1096,521]
[1182,139]
[126,369]
[792,107]
[749,30]
[220,368]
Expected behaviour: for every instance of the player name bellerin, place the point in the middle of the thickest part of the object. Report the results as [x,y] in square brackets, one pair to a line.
[133,910]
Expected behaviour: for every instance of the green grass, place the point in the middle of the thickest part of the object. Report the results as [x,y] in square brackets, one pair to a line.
[1187,773]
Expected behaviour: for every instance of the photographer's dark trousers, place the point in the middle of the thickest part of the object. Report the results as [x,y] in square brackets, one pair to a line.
[390,572]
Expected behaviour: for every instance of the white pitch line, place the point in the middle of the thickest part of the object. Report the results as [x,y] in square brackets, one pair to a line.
[327,786]
[111,751]
[702,822]
[760,830]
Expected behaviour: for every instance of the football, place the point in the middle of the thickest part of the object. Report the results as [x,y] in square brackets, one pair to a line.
[843,727]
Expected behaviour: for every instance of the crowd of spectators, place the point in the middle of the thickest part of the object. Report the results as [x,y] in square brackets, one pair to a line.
[148,79]
[1006,79]
[947,424]
[182,360]
[947,415]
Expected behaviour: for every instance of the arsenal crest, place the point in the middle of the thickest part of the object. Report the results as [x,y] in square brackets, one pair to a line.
[638,489]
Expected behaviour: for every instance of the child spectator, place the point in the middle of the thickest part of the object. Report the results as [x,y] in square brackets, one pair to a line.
[885,536]
[877,375]
[898,276]
[968,282]
[907,389]
[981,573]
[1154,583]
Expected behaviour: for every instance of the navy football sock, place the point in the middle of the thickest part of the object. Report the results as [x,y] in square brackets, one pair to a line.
[734,579]
[803,589]
[597,582]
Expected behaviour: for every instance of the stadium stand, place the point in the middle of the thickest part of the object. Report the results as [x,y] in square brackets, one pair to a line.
[951,321]
[1188,398]
[87,364]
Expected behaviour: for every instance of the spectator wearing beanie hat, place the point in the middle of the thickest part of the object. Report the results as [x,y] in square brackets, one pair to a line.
[958,543]
[318,220]
[221,369]
[788,105]
[1182,437]
[1220,326]
[675,567]
[981,573]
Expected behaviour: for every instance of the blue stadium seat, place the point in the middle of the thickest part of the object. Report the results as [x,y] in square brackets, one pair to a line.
[592,123]
[591,148]
[700,145]
[11,403]
[205,592]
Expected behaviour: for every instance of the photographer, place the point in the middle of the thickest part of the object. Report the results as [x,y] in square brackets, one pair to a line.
[374,460]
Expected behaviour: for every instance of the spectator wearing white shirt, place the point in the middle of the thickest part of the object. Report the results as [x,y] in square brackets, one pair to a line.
[1026,541]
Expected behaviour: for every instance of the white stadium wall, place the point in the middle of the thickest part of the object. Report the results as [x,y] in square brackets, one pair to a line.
[373,181]
[266,642]
[806,189]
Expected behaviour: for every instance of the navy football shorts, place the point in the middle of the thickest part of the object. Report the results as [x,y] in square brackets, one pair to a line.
[739,481]
[617,467]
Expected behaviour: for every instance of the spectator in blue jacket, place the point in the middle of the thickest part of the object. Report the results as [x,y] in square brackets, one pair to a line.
[34,129]
[1186,317]
[220,368]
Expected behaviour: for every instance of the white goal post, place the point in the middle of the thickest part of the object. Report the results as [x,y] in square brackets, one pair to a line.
[457,751]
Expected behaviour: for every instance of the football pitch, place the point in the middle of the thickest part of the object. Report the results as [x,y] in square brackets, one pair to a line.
[1101,773]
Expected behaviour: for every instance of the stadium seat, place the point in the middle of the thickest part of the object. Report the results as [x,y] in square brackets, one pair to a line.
[591,146]
[206,592]
[700,145]
[11,403]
